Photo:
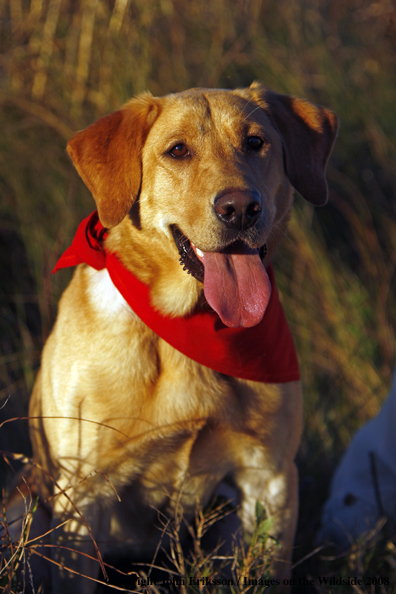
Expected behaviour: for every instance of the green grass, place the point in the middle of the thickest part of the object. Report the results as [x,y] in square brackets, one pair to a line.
[65,64]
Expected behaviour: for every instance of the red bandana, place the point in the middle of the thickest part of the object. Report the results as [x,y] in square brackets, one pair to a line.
[263,353]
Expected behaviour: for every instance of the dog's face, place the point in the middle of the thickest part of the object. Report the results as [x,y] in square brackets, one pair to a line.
[220,158]
[213,172]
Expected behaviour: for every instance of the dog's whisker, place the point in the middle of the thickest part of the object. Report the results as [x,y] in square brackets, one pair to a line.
[252,112]
[246,105]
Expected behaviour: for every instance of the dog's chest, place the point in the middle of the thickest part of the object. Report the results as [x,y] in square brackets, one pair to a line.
[163,422]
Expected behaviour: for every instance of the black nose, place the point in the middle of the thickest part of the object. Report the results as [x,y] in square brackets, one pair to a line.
[238,209]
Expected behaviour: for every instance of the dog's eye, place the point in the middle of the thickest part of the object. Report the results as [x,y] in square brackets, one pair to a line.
[179,151]
[255,143]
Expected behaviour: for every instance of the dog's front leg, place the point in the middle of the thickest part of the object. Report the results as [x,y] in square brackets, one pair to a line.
[78,533]
[278,493]
[265,469]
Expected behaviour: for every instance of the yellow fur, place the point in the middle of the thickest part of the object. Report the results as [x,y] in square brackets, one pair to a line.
[116,400]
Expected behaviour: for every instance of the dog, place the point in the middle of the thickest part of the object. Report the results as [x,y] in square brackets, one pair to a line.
[140,408]
[363,488]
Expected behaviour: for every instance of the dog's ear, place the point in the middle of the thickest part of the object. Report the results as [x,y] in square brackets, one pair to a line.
[107,155]
[308,133]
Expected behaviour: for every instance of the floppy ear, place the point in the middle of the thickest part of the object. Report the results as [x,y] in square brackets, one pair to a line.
[308,133]
[107,155]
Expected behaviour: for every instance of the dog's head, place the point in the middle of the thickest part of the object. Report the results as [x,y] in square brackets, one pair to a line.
[206,176]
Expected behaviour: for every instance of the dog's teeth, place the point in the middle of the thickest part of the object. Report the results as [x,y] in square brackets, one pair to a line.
[199,252]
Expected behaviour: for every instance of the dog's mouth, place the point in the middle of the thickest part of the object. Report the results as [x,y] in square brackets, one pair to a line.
[236,284]
[188,258]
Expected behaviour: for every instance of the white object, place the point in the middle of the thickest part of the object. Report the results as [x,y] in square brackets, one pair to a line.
[364,485]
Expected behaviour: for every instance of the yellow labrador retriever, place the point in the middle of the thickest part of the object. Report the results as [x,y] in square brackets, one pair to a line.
[193,192]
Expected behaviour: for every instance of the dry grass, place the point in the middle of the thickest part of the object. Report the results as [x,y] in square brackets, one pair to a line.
[243,568]
[63,64]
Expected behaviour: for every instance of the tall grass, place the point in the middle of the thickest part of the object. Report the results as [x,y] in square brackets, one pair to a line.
[65,63]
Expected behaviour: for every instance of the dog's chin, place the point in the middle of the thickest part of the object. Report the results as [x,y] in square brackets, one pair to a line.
[191,262]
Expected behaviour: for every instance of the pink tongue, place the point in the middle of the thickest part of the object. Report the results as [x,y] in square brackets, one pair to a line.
[237,286]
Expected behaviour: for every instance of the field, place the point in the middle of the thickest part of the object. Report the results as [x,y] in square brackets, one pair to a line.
[63,64]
